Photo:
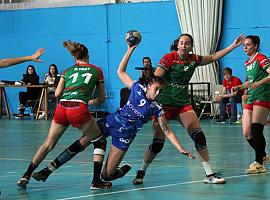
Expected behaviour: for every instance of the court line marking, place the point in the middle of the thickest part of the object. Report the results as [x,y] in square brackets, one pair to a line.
[154,187]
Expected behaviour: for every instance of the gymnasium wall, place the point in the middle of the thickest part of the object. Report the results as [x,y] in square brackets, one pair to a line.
[101,28]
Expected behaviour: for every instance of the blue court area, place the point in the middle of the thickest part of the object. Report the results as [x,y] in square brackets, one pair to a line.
[171,176]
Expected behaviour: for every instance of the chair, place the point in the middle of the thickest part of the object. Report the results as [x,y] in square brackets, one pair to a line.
[214,105]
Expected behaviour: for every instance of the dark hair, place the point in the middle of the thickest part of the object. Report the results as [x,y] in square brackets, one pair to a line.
[148,77]
[148,58]
[227,70]
[56,70]
[255,40]
[34,70]
[174,45]
[77,50]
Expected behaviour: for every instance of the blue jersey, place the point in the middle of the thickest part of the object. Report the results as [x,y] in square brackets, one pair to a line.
[129,119]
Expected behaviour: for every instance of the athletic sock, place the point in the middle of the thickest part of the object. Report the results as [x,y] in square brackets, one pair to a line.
[144,166]
[31,168]
[207,168]
[97,171]
[251,142]
[259,141]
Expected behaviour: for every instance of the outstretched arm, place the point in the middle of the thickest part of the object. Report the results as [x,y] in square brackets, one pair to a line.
[13,61]
[216,56]
[122,74]
[172,137]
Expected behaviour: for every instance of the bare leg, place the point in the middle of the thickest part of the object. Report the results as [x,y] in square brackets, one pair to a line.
[191,123]
[55,132]
[110,170]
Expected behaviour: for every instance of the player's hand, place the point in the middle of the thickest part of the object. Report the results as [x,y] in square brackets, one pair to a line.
[254,85]
[188,154]
[238,41]
[39,52]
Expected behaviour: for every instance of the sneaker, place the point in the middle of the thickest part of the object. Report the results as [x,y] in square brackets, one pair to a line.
[19,116]
[255,168]
[232,121]
[214,179]
[239,121]
[100,185]
[266,159]
[139,177]
[42,175]
[42,116]
[220,121]
[23,182]
[125,169]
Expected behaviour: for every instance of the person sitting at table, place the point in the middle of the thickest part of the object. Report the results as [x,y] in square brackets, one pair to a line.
[51,78]
[30,78]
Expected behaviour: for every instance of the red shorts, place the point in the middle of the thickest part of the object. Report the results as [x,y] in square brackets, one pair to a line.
[265,104]
[70,112]
[174,111]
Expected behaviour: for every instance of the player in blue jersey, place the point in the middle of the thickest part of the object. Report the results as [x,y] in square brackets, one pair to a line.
[124,124]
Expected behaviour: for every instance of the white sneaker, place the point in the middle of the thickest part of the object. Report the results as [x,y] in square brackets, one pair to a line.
[214,179]
[41,116]
[255,168]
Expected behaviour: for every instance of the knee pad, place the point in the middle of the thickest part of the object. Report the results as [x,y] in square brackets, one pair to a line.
[76,147]
[199,139]
[156,146]
[100,146]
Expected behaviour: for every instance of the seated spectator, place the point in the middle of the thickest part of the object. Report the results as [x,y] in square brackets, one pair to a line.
[51,78]
[30,78]
[228,96]
[147,63]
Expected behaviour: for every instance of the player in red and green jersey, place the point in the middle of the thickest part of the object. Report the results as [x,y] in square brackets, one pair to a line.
[258,103]
[75,90]
[177,68]
[81,81]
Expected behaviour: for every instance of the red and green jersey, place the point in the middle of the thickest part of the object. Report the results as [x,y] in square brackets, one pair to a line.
[177,76]
[256,71]
[81,81]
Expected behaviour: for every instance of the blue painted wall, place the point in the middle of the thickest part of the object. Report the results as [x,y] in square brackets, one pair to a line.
[101,28]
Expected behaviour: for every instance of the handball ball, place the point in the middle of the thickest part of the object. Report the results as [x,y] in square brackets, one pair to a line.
[133,37]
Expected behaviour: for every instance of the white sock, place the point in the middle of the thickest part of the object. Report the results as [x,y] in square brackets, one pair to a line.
[207,168]
[144,166]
